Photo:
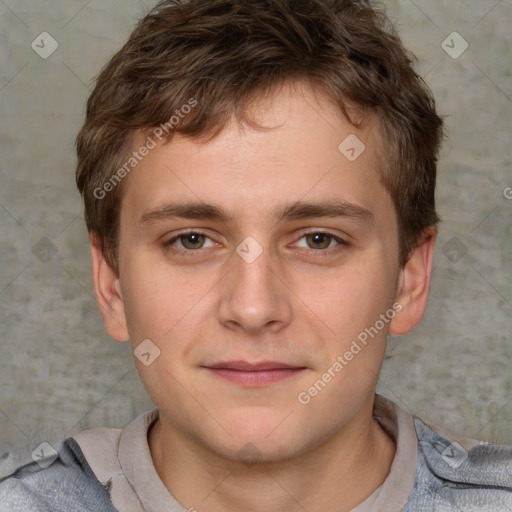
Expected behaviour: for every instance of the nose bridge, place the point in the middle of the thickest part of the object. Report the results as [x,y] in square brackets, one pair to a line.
[254,296]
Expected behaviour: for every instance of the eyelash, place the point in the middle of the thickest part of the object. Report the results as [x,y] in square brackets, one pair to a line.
[168,244]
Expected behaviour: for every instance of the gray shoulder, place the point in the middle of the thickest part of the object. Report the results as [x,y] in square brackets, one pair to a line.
[467,462]
[67,484]
[462,474]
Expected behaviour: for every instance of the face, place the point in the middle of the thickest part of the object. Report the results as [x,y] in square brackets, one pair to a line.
[253,262]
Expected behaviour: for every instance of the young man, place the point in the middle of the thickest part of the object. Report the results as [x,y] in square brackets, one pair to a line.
[259,180]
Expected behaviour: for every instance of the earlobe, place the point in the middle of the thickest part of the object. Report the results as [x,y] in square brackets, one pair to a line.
[108,294]
[414,284]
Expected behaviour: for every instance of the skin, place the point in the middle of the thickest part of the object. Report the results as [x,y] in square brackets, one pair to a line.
[301,302]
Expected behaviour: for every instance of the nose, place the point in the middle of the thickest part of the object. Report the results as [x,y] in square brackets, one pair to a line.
[255,296]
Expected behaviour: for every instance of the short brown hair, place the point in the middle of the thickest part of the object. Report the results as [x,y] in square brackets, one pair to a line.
[223,53]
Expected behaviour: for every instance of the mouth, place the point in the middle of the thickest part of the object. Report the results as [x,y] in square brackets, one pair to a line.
[249,374]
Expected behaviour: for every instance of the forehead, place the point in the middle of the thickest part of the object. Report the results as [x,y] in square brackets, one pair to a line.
[303,147]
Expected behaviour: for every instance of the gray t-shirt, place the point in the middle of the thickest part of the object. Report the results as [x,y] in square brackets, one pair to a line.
[111,469]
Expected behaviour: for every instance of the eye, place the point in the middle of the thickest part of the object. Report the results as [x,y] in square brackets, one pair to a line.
[190,241]
[319,240]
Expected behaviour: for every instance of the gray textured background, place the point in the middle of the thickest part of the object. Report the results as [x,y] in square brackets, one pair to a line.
[60,373]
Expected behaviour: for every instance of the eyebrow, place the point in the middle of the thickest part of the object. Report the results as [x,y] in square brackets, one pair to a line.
[294,211]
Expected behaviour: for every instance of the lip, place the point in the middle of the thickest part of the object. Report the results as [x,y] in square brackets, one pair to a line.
[252,367]
[258,374]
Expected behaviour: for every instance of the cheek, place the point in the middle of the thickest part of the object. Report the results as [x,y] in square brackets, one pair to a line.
[353,306]
[358,295]
[144,306]
[172,310]
[157,297]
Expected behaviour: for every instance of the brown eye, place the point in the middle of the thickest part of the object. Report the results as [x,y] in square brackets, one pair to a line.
[318,240]
[192,240]
[191,243]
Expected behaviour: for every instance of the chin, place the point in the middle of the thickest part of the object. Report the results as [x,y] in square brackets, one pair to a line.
[265,435]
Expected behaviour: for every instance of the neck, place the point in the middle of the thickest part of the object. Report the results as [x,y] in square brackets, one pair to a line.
[313,481]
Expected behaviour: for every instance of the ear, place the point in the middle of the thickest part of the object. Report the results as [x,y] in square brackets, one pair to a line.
[108,294]
[414,285]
